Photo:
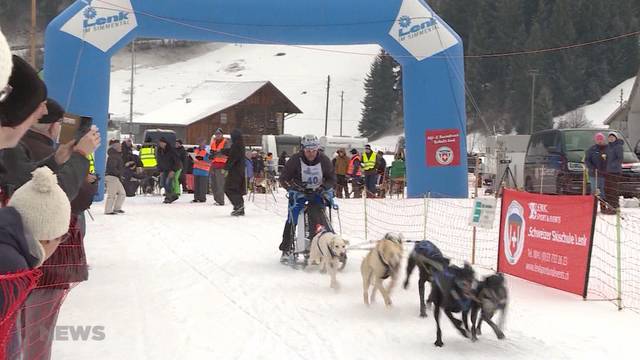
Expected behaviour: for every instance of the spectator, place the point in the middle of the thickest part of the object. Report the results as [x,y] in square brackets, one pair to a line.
[201,168]
[614,152]
[271,165]
[132,177]
[397,175]
[33,224]
[258,164]
[170,167]
[127,154]
[596,162]
[354,173]
[381,168]
[370,167]
[184,160]
[341,164]
[218,148]
[113,174]
[36,149]
[248,164]
[282,160]
[234,185]
[22,97]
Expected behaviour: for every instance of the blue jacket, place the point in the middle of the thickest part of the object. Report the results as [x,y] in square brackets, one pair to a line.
[249,166]
[16,247]
[615,153]
[596,159]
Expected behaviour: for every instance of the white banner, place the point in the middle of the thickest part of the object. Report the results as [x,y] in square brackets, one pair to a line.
[420,32]
[483,212]
[102,24]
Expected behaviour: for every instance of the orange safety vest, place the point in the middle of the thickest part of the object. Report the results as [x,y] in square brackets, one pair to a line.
[218,159]
[351,164]
[201,164]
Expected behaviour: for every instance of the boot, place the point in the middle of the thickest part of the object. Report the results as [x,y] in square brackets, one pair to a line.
[238,212]
[284,258]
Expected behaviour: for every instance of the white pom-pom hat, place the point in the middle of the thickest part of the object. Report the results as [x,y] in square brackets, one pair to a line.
[5,61]
[43,206]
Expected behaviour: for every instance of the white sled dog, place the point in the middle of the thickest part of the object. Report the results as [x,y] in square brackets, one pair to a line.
[326,250]
[382,262]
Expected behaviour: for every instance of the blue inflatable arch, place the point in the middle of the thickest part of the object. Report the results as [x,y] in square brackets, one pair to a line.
[79,44]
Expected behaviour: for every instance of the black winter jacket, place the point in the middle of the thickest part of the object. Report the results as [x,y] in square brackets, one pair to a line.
[168,159]
[292,173]
[115,163]
[30,154]
[596,159]
[235,180]
[615,154]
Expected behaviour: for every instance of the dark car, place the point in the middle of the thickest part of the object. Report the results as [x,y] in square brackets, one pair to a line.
[554,163]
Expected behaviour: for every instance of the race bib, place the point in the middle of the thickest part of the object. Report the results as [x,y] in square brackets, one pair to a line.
[311,175]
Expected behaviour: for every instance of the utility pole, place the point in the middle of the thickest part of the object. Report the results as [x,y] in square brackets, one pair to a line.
[33,34]
[326,116]
[133,63]
[533,73]
[341,110]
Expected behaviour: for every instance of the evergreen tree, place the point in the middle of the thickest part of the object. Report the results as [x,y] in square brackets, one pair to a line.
[543,117]
[380,98]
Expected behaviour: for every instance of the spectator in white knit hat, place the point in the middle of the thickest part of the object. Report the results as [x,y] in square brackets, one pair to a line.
[34,223]
[31,228]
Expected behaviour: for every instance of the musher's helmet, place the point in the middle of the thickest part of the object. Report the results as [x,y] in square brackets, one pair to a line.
[310,142]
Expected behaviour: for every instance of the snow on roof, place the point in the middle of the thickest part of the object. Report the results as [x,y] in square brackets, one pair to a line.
[208,98]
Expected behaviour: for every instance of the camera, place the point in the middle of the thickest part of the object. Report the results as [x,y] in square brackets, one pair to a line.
[74,127]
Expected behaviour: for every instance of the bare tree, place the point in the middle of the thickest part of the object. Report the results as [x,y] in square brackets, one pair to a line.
[574,120]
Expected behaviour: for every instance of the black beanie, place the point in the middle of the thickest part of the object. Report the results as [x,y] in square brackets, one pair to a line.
[55,112]
[27,94]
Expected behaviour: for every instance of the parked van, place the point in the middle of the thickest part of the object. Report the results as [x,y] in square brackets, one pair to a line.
[554,163]
[154,135]
[331,144]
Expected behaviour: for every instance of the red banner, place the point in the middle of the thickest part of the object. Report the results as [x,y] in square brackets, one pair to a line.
[443,147]
[547,239]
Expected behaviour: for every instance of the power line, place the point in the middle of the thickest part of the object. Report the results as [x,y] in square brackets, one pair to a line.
[272,42]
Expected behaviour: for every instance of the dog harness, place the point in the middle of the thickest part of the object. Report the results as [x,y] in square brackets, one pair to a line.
[446,275]
[428,249]
[322,232]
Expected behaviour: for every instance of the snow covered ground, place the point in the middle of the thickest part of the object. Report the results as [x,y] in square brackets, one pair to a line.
[300,73]
[187,281]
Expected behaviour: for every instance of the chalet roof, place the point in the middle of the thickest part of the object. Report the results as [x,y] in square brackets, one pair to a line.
[633,104]
[209,98]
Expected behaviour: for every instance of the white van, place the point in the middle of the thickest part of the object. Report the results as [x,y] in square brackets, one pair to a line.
[331,144]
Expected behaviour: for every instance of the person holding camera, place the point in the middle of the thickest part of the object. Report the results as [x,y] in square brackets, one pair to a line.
[38,147]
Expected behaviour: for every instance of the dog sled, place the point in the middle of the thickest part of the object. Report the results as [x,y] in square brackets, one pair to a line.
[302,229]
